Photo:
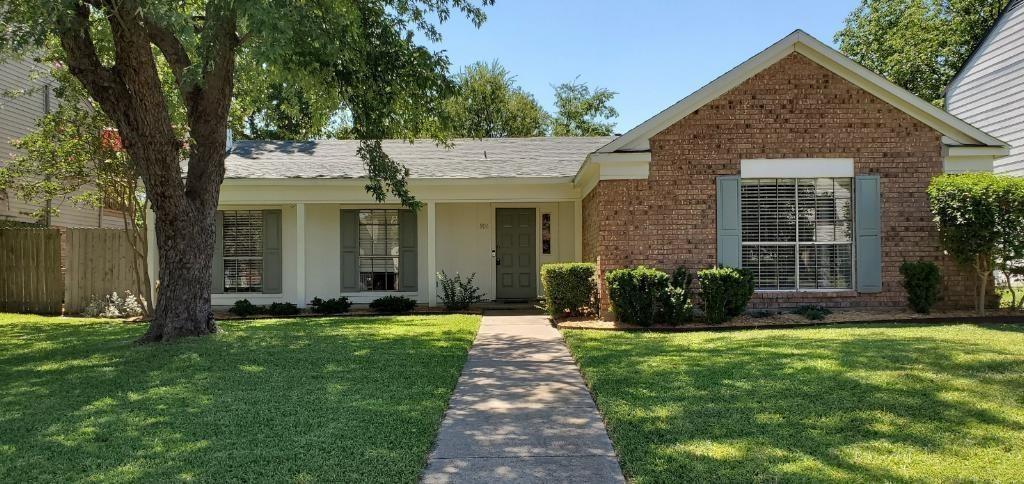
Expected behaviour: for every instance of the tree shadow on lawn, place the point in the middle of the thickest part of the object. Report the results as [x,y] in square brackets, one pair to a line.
[325,399]
[856,403]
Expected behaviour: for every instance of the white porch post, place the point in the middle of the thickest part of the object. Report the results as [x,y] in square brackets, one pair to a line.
[431,253]
[152,256]
[577,222]
[300,254]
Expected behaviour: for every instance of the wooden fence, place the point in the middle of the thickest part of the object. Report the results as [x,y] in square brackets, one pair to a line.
[30,272]
[37,276]
[99,262]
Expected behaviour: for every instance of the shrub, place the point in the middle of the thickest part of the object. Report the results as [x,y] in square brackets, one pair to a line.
[814,313]
[335,305]
[922,281]
[725,292]
[243,308]
[283,309]
[636,293]
[457,294]
[114,306]
[570,289]
[392,305]
[674,306]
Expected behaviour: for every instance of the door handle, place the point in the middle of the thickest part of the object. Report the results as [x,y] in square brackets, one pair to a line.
[497,261]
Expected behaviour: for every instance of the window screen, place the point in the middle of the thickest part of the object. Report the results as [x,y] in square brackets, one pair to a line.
[243,251]
[378,250]
[798,232]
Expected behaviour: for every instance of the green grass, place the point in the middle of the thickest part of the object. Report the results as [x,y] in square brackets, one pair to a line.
[304,400]
[868,403]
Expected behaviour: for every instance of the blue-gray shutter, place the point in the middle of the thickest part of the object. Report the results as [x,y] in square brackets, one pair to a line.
[272,251]
[868,231]
[407,267]
[349,250]
[728,222]
[217,283]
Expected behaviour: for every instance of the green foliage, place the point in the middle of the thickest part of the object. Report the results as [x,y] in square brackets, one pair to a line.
[570,289]
[334,305]
[243,308]
[917,44]
[813,312]
[725,292]
[856,403]
[489,104]
[292,378]
[114,306]
[636,293]
[980,217]
[392,305]
[581,111]
[922,281]
[674,306]
[457,294]
[283,309]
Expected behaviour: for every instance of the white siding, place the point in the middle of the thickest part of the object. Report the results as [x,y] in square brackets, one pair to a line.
[22,102]
[989,91]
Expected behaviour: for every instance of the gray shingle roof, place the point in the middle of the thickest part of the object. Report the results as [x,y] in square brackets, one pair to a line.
[505,158]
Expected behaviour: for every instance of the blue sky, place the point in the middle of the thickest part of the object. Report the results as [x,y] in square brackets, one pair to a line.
[652,52]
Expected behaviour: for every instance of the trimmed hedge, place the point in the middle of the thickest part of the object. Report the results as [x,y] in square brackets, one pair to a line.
[336,305]
[675,306]
[243,308]
[392,305]
[725,292]
[922,281]
[570,289]
[636,293]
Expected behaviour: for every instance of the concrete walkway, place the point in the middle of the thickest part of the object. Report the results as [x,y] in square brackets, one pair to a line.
[521,413]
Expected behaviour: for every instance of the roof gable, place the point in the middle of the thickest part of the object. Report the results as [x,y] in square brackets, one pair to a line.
[955,130]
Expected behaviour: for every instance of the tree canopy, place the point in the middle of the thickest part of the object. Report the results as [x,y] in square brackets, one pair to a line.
[917,44]
[581,111]
[489,104]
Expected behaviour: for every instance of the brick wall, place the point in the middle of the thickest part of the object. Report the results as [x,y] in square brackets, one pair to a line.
[793,109]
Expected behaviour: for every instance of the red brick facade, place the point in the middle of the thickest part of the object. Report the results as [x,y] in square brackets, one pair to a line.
[793,109]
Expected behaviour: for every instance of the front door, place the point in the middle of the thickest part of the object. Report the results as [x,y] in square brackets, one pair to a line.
[516,253]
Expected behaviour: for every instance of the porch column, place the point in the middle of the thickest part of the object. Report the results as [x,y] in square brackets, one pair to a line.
[577,230]
[300,254]
[152,255]
[431,253]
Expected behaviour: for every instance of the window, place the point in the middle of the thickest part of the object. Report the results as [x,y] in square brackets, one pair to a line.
[378,250]
[798,232]
[545,233]
[243,251]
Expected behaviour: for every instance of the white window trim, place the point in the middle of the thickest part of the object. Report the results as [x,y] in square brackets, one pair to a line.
[797,168]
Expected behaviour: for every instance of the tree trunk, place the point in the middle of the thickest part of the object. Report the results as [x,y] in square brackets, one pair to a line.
[185,242]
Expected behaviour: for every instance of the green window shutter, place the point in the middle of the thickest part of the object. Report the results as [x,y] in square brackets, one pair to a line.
[728,221]
[868,227]
[272,251]
[349,250]
[217,283]
[407,250]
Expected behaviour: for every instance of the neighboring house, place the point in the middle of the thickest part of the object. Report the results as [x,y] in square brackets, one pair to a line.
[988,92]
[799,164]
[25,96]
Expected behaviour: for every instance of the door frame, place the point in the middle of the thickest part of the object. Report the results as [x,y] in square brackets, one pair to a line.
[536,249]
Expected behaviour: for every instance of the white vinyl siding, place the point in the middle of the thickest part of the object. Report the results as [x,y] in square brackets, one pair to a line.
[797,233]
[989,91]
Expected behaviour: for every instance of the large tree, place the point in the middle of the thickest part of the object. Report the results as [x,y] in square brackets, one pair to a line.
[918,44]
[581,111]
[363,50]
[489,104]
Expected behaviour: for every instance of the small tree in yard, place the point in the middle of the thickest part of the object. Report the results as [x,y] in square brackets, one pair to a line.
[980,217]
[165,73]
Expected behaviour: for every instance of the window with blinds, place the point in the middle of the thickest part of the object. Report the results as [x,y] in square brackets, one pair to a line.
[243,251]
[798,232]
[378,250]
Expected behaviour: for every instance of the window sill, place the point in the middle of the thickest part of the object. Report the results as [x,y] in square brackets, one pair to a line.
[826,293]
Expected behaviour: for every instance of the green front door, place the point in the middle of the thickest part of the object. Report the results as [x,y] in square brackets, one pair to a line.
[516,253]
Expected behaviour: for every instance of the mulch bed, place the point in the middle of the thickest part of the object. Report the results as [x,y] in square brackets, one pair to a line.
[789,320]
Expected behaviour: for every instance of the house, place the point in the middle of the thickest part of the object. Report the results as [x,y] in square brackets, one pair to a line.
[799,164]
[988,92]
[26,94]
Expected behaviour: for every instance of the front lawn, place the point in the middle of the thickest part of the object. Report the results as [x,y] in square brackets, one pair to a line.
[867,403]
[303,400]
